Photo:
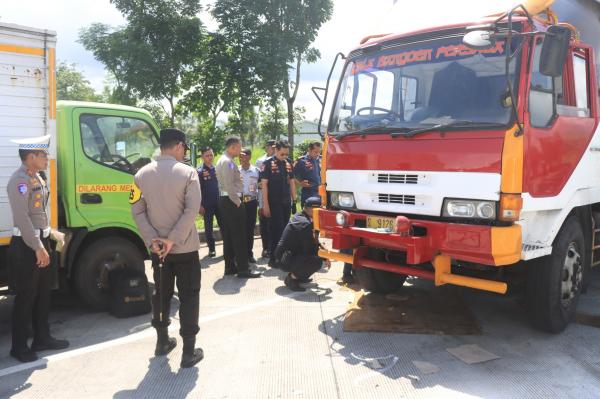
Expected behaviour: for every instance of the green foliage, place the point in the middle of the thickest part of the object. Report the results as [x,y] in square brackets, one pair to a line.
[212,80]
[272,126]
[275,37]
[302,148]
[149,55]
[206,135]
[72,85]
[243,123]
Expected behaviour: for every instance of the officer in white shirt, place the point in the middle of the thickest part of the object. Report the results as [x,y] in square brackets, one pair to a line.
[250,178]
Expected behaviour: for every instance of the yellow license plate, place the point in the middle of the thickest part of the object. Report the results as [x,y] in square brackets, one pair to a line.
[388,224]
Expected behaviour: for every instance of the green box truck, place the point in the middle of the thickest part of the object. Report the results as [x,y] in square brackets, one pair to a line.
[95,151]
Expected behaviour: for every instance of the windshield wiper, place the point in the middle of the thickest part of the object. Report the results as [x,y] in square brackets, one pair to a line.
[375,128]
[445,126]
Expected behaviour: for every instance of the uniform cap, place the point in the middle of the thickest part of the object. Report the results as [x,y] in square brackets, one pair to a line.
[34,143]
[246,151]
[313,202]
[171,136]
[270,143]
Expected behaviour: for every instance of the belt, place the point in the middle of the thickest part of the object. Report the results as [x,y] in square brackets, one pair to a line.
[248,198]
[45,232]
[226,194]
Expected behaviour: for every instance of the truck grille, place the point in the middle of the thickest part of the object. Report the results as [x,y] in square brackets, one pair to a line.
[397,178]
[397,199]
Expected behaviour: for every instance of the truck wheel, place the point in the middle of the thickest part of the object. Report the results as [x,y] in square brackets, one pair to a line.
[91,272]
[554,282]
[379,281]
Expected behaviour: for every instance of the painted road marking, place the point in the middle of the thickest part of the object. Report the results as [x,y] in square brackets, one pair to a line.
[150,332]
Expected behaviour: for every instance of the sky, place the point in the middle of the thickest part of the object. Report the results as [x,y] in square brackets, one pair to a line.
[352,20]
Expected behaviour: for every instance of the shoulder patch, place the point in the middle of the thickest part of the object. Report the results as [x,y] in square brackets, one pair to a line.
[135,194]
[22,188]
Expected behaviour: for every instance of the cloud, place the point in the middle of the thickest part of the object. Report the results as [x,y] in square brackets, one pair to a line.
[352,20]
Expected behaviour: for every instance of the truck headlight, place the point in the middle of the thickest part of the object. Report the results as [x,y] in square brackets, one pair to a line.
[471,209]
[342,200]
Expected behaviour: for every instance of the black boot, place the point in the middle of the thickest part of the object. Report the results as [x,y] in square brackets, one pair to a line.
[24,355]
[49,343]
[293,283]
[191,355]
[164,344]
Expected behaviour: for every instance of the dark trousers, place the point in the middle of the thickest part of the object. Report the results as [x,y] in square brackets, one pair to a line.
[32,288]
[280,216]
[251,208]
[235,242]
[264,233]
[209,214]
[185,270]
[302,266]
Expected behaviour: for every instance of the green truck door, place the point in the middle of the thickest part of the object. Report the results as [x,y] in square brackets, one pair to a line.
[115,145]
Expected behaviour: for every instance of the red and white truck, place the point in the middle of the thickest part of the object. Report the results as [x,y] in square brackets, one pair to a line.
[470,155]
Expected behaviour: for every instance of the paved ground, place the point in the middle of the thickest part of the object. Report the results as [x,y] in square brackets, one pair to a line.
[262,341]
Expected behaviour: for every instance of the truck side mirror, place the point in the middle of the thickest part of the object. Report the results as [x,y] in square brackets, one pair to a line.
[480,39]
[554,51]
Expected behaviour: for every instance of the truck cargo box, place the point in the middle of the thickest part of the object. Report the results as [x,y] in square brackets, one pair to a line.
[27,105]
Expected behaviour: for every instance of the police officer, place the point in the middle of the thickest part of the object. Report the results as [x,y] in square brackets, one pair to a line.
[165,201]
[250,177]
[278,191]
[307,171]
[210,197]
[297,250]
[232,210]
[262,219]
[28,252]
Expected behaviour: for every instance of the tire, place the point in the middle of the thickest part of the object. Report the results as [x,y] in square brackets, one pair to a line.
[554,282]
[378,281]
[91,272]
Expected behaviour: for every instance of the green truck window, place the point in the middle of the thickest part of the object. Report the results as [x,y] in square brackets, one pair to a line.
[121,143]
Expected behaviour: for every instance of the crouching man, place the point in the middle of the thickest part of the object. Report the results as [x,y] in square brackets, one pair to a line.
[297,250]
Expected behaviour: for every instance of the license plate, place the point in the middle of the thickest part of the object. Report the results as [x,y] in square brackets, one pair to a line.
[379,223]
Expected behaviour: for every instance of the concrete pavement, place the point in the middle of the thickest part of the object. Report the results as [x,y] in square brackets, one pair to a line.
[263,341]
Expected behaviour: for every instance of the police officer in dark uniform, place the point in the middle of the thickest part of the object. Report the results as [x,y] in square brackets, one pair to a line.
[210,197]
[31,276]
[278,191]
[297,251]
[307,171]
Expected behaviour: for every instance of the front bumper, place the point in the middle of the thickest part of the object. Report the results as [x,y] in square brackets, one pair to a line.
[486,245]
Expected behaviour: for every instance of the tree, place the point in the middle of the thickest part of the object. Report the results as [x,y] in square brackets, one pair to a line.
[72,85]
[243,123]
[277,37]
[212,82]
[148,57]
[272,126]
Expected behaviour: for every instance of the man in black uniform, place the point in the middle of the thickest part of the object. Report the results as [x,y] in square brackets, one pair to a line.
[28,252]
[297,250]
[262,219]
[278,191]
[307,170]
[210,197]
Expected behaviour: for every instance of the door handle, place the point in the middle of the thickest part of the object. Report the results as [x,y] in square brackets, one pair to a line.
[91,198]
[595,149]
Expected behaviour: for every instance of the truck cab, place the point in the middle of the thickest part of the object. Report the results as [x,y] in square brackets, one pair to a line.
[470,162]
[100,148]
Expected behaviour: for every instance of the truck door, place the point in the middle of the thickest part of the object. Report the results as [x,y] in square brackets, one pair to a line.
[561,121]
[114,146]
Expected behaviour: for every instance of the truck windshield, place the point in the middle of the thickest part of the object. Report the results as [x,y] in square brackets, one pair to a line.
[417,86]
